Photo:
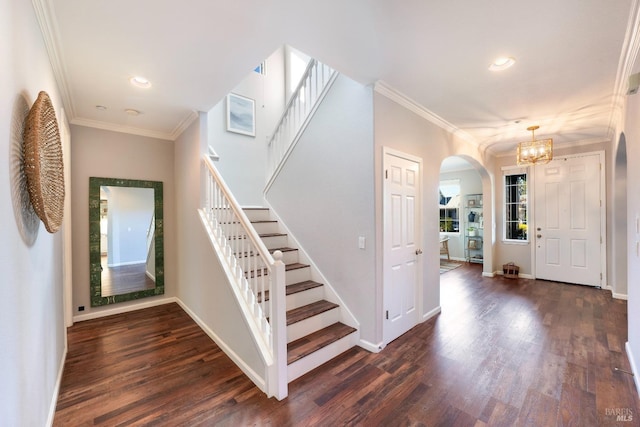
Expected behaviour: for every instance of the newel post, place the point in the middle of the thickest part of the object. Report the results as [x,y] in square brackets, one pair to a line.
[278,375]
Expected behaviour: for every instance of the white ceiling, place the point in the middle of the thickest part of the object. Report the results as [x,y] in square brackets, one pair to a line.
[573,58]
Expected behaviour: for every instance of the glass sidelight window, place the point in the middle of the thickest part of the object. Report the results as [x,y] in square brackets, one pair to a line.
[516,207]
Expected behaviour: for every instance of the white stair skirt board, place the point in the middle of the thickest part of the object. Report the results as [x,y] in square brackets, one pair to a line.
[315,323]
[317,358]
[300,299]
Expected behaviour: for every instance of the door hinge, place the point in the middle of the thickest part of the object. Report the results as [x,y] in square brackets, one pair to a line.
[386,174]
[387,315]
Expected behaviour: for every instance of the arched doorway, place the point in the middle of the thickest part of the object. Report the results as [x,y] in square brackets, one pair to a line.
[619,232]
[463,216]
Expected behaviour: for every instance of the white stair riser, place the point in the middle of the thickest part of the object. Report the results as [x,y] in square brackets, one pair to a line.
[257,214]
[317,358]
[266,227]
[300,299]
[290,257]
[312,324]
[298,275]
[272,242]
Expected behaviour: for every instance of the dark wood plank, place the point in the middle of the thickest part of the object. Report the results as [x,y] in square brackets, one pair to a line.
[301,313]
[502,353]
[304,346]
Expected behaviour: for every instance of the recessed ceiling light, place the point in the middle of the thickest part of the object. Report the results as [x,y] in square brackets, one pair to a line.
[132,112]
[502,63]
[140,81]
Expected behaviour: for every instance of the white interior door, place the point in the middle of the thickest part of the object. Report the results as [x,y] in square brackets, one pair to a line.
[568,218]
[401,249]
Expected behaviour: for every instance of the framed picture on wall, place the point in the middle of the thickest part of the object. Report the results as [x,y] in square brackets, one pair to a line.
[241,115]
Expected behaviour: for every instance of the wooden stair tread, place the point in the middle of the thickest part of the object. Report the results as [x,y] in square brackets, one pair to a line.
[287,267]
[302,286]
[271,235]
[294,266]
[306,345]
[285,249]
[243,254]
[294,288]
[301,313]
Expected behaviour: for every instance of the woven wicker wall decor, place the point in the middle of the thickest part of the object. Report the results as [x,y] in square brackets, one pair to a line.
[43,163]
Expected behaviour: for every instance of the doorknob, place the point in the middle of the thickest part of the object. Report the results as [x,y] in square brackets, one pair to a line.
[418,251]
[539,236]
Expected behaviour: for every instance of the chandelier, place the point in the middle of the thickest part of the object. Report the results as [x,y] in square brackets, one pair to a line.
[535,151]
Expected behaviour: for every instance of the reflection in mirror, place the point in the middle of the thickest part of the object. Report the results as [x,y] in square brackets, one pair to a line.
[126,240]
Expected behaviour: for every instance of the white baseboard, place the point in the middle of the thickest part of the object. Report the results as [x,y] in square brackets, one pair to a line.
[122,264]
[520,275]
[259,381]
[369,346]
[124,309]
[485,274]
[431,313]
[634,368]
[56,387]
[619,296]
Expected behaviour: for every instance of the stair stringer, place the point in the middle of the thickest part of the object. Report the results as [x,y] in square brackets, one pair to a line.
[330,294]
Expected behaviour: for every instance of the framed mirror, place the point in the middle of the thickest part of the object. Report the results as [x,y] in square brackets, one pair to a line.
[126,240]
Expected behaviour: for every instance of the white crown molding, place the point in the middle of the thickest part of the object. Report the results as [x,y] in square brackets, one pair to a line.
[184,124]
[584,142]
[172,136]
[122,129]
[385,90]
[628,56]
[45,15]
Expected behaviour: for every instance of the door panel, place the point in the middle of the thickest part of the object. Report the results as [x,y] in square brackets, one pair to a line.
[568,220]
[401,234]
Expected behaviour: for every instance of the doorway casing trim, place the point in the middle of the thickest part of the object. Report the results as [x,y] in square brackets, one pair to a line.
[603,212]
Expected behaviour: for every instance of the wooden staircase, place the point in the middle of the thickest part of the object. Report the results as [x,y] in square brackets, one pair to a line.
[315,329]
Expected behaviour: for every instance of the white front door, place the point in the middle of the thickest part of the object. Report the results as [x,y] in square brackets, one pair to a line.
[568,220]
[401,248]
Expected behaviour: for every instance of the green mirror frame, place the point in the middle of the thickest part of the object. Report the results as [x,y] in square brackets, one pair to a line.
[95,268]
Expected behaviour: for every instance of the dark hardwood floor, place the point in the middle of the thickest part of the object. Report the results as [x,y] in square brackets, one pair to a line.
[124,279]
[502,353]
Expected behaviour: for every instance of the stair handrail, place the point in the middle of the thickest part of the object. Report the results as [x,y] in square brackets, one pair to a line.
[257,277]
[151,234]
[312,88]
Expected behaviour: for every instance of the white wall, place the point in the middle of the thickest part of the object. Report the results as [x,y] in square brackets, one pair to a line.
[324,195]
[202,286]
[402,129]
[107,154]
[32,332]
[130,213]
[243,161]
[632,134]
